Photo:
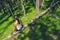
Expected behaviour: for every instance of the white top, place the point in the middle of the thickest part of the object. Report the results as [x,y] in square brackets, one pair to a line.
[19,26]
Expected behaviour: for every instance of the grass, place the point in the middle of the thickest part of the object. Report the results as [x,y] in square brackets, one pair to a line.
[6,28]
[7,23]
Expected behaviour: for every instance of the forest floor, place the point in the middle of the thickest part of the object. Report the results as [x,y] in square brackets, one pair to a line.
[7,26]
[7,22]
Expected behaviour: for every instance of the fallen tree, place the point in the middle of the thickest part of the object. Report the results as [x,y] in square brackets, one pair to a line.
[38,16]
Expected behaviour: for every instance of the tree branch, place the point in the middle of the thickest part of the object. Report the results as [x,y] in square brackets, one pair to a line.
[40,15]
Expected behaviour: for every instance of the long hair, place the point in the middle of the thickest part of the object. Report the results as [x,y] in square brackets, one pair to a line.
[16,18]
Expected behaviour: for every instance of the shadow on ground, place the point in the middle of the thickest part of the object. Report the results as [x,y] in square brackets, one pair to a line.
[41,29]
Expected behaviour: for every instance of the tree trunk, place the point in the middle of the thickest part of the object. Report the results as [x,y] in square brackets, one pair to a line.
[37,7]
[23,7]
[41,4]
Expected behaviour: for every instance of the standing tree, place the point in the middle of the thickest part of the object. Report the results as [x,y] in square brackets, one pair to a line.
[23,7]
[41,4]
[37,6]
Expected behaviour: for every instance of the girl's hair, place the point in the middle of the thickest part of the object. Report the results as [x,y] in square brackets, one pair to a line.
[16,18]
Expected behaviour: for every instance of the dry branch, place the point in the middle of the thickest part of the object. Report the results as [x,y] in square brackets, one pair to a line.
[40,15]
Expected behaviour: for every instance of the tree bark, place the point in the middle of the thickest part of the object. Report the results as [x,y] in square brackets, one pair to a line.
[41,4]
[23,7]
[37,7]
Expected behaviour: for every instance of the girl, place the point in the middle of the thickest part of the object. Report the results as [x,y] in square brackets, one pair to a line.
[18,24]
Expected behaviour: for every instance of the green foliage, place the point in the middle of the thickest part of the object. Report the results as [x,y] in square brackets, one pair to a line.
[40,29]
